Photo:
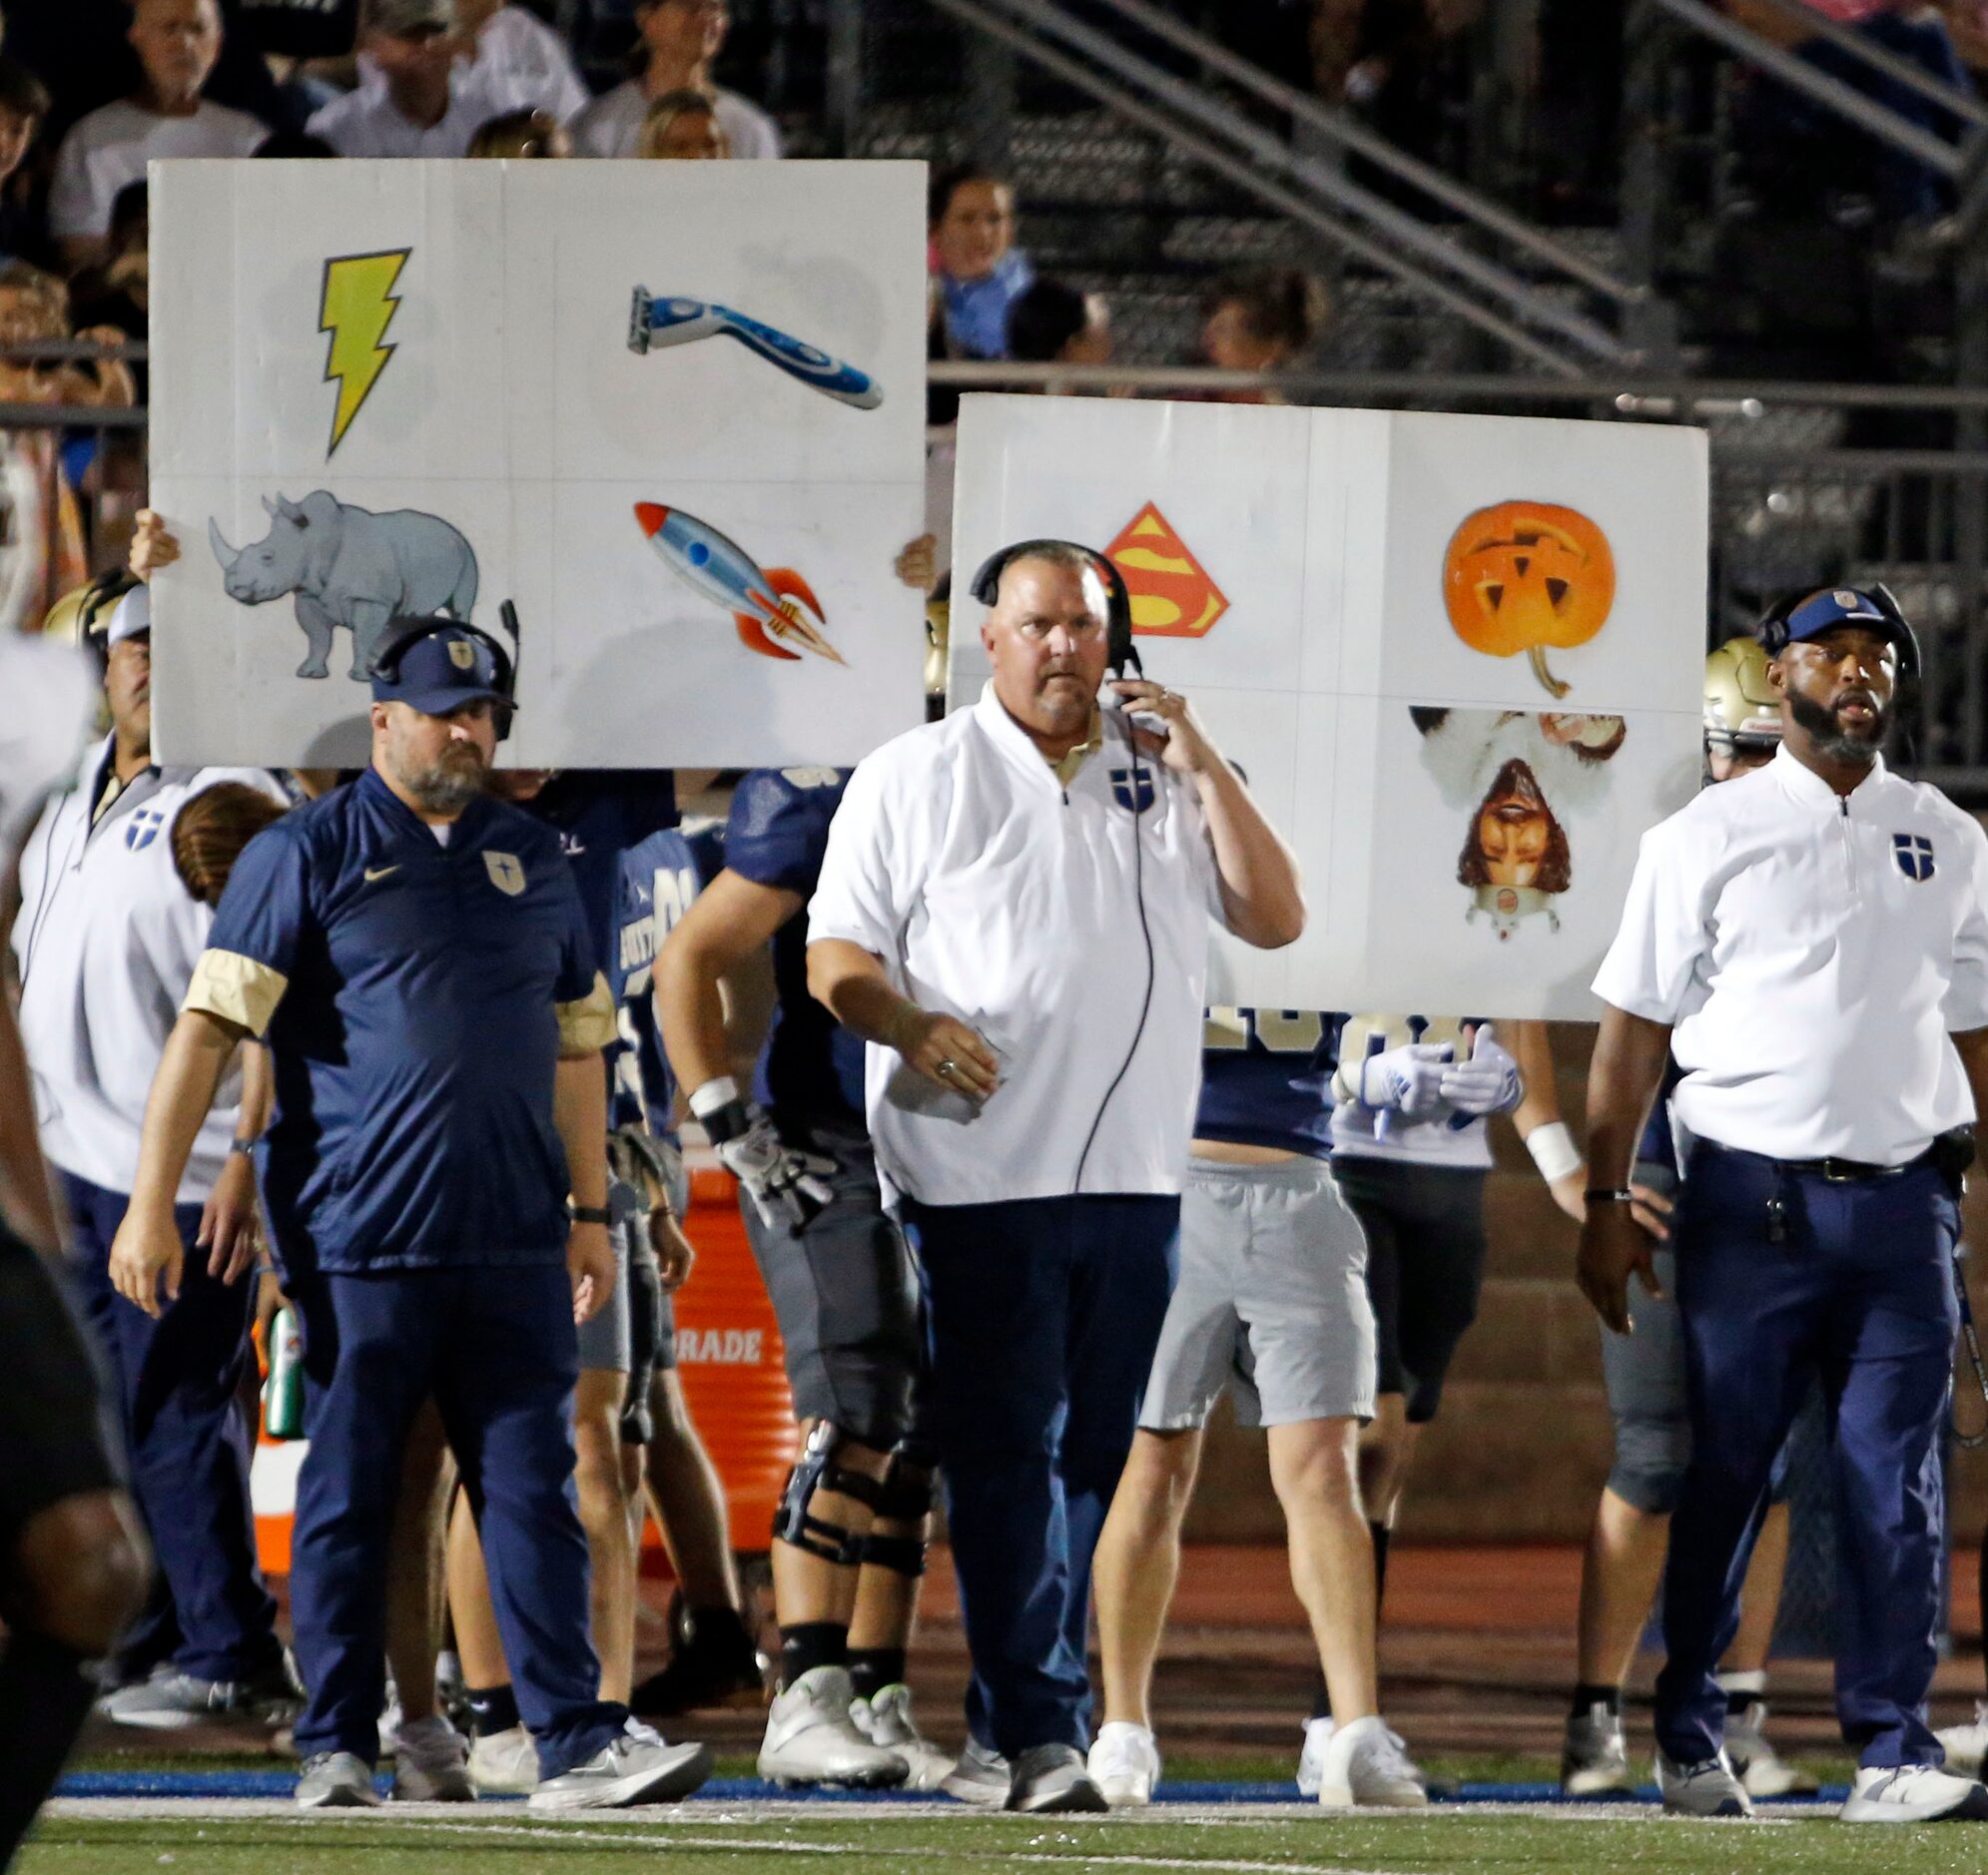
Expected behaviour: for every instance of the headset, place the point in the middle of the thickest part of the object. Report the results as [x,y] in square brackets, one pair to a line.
[1773,630]
[1119,655]
[404,630]
[1119,651]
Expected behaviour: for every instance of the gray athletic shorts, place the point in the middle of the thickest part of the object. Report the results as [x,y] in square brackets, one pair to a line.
[1272,1300]
[604,1341]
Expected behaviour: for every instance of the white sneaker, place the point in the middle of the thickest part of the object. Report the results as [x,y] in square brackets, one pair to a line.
[505,1765]
[1366,1764]
[1594,1757]
[1913,1793]
[1707,1788]
[335,1780]
[1311,1760]
[1967,1745]
[1760,1767]
[639,1766]
[885,1718]
[1124,1764]
[811,1739]
[431,1763]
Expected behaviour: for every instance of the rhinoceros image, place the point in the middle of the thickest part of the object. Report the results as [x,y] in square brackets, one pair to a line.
[348,566]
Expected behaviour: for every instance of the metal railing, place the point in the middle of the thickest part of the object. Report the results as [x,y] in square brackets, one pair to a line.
[1441,262]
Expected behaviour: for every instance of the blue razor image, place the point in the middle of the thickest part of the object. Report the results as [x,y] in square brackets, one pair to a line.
[671,319]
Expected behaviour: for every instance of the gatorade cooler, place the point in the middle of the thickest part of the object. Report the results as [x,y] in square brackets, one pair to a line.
[732,1363]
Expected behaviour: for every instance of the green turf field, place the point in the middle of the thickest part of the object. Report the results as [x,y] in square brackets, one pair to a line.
[511,1843]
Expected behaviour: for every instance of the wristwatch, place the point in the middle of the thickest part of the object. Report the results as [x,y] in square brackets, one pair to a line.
[1617,1194]
[589,1214]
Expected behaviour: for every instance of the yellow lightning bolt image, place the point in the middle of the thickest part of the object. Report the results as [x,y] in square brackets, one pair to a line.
[357,306]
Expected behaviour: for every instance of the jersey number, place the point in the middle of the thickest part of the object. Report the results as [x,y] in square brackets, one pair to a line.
[1281,1031]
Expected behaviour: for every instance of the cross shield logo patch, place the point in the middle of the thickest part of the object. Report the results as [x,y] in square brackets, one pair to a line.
[1133,788]
[506,873]
[142,828]
[1914,853]
[462,654]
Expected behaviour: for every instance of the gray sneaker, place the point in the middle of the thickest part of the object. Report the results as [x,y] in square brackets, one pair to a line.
[335,1780]
[1707,1788]
[431,1763]
[1053,1780]
[171,1701]
[637,1767]
[979,1775]
[1595,1756]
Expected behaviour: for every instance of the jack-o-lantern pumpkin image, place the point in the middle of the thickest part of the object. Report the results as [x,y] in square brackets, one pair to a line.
[1528,576]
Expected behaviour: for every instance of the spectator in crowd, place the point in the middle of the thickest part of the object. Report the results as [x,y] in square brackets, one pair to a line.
[514,54]
[683,126]
[34,309]
[113,295]
[1259,320]
[105,951]
[532,132]
[417,99]
[177,42]
[977,271]
[24,106]
[680,41]
[1051,322]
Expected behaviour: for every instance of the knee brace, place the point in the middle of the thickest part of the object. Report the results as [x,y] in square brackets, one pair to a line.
[905,1497]
[795,1525]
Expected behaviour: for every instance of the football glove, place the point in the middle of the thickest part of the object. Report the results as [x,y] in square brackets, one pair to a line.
[1406,1081]
[788,1187]
[1488,1083]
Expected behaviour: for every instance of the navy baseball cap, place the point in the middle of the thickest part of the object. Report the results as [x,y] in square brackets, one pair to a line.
[440,670]
[1823,612]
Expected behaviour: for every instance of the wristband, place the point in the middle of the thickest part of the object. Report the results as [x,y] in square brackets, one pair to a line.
[1617,1194]
[1554,1150]
[719,1091]
[246,1147]
[590,1214]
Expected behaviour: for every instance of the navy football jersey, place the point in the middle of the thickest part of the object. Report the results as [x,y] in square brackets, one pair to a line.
[1266,1078]
[810,1069]
[599,815]
[658,878]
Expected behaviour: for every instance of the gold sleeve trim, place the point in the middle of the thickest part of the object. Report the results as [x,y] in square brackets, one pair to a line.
[235,988]
[587,1027]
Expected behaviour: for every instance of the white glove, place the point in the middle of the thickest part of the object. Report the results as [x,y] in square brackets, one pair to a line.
[1406,1081]
[1488,1083]
[788,1187]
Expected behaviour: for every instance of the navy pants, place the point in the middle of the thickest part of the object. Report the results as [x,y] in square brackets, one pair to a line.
[175,1381]
[1042,1316]
[1860,1295]
[495,1349]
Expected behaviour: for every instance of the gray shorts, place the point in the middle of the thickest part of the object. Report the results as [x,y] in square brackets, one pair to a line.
[604,1342]
[1272,1300]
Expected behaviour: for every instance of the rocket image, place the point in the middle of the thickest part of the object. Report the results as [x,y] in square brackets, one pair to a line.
[766,605]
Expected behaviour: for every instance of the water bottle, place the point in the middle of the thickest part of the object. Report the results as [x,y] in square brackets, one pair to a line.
[283,1392]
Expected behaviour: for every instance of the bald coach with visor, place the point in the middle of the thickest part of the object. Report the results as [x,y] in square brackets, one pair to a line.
[1810,940]
[1014,913]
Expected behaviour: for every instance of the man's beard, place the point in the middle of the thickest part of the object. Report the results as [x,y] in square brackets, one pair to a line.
[1834,742]
[449,785]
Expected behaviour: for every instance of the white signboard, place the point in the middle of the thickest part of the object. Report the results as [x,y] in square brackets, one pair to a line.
[1460,659]
[673,412]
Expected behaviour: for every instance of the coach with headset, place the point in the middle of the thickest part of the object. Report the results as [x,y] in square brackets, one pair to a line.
[1013,914]
[1810,940]
[416,955]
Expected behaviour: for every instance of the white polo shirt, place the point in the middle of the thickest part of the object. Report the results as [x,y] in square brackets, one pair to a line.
[997,894]
[107,938]
[367,123]
[1813,953]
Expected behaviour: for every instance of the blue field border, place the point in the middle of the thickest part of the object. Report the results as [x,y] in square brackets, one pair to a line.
[222,1785]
